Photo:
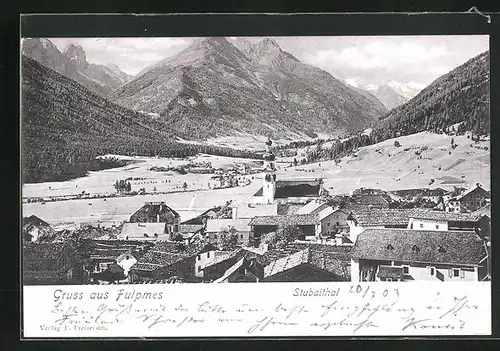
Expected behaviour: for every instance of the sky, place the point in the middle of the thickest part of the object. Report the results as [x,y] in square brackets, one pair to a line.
[360,61]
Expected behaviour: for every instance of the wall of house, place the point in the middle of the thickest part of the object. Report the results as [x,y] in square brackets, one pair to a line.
[243,237]
[426,224]
[419,272]
[184,269]
[354,270]
[201,261]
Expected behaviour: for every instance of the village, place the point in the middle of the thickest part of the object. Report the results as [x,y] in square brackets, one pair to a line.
[292,230]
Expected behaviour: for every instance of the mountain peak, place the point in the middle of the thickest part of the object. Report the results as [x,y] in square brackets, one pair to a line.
[77,54]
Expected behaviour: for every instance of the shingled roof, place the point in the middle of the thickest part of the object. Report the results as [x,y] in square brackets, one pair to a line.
[293,219]
[378,217]
[447,247]
[164,254]
[152,211]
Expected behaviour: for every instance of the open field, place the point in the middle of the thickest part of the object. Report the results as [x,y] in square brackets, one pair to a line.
[101,182]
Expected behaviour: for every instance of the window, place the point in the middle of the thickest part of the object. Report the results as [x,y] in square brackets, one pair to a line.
[390,247]
[388,280]
[338,223]
[441,249]
[328,224]
[208,254]
[199,257]
[127,257]
[199,269]
[215,236]
[421,225]
[437,226]
[406,269]
[431,271]
[415,248]
[456,273]
[241,236]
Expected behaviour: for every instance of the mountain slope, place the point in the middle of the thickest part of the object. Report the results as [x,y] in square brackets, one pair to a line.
[213,89]
[371,97]
[461,95]
[387,95]
[72,63]
[65,126]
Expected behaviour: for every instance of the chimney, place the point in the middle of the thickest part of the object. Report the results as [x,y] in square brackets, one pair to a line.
[235,212]
[157,217]
[339,239]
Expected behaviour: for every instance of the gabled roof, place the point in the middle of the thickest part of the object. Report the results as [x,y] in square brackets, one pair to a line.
[321,259]
[150,211]
[230,270]
[294,220]
[164,254]
[380,217]
[458,247]
[198,220]
[216,225]
[312,207]
[475,188]
[483,211]
[137,230]
[325,213]
[286,263]
[297,188]
[34,221]
[333,258]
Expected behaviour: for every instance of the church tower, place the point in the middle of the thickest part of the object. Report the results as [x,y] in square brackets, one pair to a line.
[269,179]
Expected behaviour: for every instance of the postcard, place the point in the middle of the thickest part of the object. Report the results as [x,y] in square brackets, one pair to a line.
[346,178]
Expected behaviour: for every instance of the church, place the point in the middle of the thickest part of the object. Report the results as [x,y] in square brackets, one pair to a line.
[274,191]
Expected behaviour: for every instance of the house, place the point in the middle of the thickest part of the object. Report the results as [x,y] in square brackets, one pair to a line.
[292,190]
[308,224]
[104,253]
[126,260]
[312,207]
[166,260]
[205,256]
[371,201]
[333,220]
[414,218]
[35,229]
[52,263]
[483,211]
[224,260]
[157,212]
[246,270]
[429,194]
[144,231]
[240,226]
[190,233]
[251,210]
[469,201]
[390,254]
[308,265]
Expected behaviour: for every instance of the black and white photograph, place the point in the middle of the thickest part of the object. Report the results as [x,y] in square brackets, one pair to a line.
[198,160]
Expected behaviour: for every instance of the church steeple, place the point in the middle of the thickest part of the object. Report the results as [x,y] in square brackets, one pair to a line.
[269,180]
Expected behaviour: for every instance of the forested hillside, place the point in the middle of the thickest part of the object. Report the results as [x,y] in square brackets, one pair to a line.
[461,95]
[65,126]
